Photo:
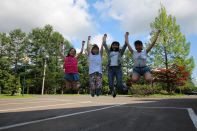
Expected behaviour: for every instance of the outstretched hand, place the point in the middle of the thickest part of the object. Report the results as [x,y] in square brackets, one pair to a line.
[83,43]
[89,37]
[104,37]
[127,37]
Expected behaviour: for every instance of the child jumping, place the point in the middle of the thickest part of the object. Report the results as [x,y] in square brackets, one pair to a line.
[114,64]
[71,74]
[95,68]
[139,57]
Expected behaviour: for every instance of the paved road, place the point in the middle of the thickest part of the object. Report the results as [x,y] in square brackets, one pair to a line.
[104,113]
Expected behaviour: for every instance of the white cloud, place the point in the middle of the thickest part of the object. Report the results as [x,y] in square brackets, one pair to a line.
[78,50]
[135,16]
[69,17]
[97,39]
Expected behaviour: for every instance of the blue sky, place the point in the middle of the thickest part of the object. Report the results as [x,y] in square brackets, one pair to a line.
[76,19]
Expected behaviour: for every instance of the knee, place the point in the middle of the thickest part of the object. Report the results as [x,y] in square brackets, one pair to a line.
[134,80]
[148,78]
[75,85]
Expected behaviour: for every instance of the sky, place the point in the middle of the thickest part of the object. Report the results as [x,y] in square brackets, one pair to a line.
[77,19]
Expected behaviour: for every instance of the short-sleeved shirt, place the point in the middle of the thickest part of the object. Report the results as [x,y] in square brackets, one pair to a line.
[114,58]
[95,63]
[139,58]
[70,65]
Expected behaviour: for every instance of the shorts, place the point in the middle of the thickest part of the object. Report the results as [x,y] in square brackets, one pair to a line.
[141,70]
[71,77]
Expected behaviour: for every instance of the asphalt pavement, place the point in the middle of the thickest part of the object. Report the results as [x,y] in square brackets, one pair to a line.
[103,113]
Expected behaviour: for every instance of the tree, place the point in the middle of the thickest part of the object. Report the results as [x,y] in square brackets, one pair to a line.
[171,46]
[17,44]
[177,76]
[4,61]
[46,42]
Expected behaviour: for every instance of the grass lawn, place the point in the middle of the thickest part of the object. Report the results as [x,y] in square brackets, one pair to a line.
[161,96]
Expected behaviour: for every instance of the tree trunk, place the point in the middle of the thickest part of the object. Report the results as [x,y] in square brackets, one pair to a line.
[166,64]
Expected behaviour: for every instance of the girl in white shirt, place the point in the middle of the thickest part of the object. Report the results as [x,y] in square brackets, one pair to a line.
[139,57]
[115,54]
[95,68]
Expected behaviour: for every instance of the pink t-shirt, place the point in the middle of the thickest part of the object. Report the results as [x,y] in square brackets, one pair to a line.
[70,65]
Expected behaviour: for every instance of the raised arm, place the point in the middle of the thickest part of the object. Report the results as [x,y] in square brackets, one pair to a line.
[127,42]
[153,42]
[88,45]
[123,49]
[83,43]
[61,49]
[101,50]
[104,44]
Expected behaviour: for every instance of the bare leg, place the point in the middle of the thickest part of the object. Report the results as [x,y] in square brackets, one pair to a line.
[135,77]
[75,85]
[68,85]
[148,77]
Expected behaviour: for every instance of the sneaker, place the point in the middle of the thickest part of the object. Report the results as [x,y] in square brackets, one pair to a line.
[92,92]
[98,92]
[113,93]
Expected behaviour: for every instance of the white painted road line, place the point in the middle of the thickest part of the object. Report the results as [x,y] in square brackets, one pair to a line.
[57,117]
[193,116]
[191,112]
[33,107]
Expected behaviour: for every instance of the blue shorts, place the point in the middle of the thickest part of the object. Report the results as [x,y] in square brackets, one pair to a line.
[71,77]
[141,70]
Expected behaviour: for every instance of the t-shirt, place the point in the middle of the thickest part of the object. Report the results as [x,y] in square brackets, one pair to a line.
[139,58]
[95,63]
[70,65]
[114,58]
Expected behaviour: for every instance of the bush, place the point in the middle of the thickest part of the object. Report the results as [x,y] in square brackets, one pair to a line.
[105,90]
[12,86]
[144,89]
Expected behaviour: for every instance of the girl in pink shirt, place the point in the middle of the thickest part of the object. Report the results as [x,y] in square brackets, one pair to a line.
[71,74]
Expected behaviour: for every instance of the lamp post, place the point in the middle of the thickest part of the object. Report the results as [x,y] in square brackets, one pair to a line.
[25,61]
[44,73]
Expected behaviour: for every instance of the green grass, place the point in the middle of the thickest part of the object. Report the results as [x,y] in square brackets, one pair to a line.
[160,96]
[15,96]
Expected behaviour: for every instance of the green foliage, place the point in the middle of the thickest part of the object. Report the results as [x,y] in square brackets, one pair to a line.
[144,89]
[42,42]
[127,63]
[171,43]
[12,85]
[84,74]
[171,47]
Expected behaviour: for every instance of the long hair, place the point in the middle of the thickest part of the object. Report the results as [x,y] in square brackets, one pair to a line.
[115,43]
[68,54]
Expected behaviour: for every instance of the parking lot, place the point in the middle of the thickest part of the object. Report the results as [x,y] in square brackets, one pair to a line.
[84,113]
